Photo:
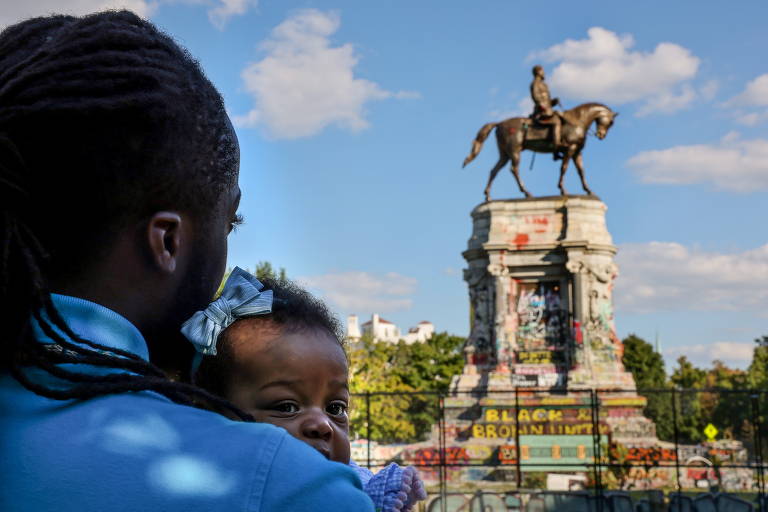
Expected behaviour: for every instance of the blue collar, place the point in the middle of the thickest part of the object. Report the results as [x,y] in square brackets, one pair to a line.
[98,324]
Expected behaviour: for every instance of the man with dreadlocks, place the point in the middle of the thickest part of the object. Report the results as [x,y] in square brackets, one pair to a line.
[118,188]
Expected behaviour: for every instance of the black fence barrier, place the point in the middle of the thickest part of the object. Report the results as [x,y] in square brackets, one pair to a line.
[573,449]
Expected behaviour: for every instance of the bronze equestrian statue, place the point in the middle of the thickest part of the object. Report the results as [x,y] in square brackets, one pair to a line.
[519,133]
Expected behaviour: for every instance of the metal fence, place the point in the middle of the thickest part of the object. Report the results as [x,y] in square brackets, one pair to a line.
[567,449]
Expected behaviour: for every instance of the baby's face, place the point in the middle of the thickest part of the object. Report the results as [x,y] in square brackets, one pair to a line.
[294,380]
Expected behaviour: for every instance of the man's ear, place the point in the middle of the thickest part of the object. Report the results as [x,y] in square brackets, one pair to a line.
[164,236]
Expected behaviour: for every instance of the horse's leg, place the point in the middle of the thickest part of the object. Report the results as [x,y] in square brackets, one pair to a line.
[564,167]
[580,166]
[496,168]
[515,157]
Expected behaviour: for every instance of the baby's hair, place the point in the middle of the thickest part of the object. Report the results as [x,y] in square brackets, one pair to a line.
[103,121]
[294,309]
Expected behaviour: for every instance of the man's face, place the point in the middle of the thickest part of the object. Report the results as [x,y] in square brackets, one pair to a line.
[207,250]
[209,257]
[196,281]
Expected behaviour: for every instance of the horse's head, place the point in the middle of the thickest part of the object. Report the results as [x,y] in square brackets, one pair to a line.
[604,122]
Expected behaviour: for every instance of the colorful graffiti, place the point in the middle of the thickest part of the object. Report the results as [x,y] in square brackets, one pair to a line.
[454,456]
[536,415]
[651,455]
[536,357]
[540,316]
[508,431]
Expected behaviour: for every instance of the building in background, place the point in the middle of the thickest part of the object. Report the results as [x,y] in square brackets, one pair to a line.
[384,330]
[353,328]
[422,332]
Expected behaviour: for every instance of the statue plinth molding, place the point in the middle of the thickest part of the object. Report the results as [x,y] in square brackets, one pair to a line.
[540,273]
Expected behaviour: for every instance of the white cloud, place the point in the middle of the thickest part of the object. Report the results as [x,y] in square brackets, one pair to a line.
[751,118]
[604,68]
[702,354]
[305,84]
[754,96]
[667,276]
[732,164]
[362,291]
[14,11]
[523,109]
[709,90]
[219,12]
[668,102]
[226,9]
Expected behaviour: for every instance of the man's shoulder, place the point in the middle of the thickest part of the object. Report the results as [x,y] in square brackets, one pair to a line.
[133,451]
[192,426]
[139,451]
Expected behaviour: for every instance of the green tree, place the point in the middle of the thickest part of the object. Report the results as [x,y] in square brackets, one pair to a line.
[757,380]
[757,373]
[647,367]
[263,270]
[372,371]
[429,367]
[691,421]
[420,371]
[728,411]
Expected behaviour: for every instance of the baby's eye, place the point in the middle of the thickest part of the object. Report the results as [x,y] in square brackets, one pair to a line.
[286,408]
[337,409]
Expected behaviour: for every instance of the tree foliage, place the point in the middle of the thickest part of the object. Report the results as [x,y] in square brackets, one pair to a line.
[733,400]
[410,375]
[263,270]
[757,373]
[647,368]
[719,395]
[691,420]
[372,371]
[757,378]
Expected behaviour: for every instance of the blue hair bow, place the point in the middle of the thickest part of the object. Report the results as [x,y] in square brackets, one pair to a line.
[242,297]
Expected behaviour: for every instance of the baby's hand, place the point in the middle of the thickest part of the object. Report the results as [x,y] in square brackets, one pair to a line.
[393,489]
[413,488]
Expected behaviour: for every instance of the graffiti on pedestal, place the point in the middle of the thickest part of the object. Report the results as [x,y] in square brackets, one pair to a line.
[600,348]
[480,338]
[509,431]
[549,449]
[500,423]
[541,317]
[604,344]
[541,334]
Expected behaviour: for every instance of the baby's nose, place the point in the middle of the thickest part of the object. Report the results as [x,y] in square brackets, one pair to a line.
[317,426]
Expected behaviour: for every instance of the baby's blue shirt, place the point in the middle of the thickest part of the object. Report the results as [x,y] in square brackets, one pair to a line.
[142,452]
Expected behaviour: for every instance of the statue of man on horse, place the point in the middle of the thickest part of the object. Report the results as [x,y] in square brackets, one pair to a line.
[563,134]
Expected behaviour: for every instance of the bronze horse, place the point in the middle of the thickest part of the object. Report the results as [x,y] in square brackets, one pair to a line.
[518,133]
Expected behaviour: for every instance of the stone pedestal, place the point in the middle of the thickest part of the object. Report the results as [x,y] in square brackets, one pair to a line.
[540,275]
[542,340]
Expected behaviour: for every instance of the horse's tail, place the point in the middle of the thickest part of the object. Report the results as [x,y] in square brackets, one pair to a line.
[477,144]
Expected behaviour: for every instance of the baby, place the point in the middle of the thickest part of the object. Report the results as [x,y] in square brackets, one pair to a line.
[275,353]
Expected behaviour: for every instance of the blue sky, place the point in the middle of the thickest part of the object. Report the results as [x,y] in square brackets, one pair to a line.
[354,118]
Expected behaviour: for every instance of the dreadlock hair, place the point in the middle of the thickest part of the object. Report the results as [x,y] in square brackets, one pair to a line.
[102,113]
[293,309]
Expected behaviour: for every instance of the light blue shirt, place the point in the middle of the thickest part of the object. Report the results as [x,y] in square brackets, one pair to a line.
[142,452]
